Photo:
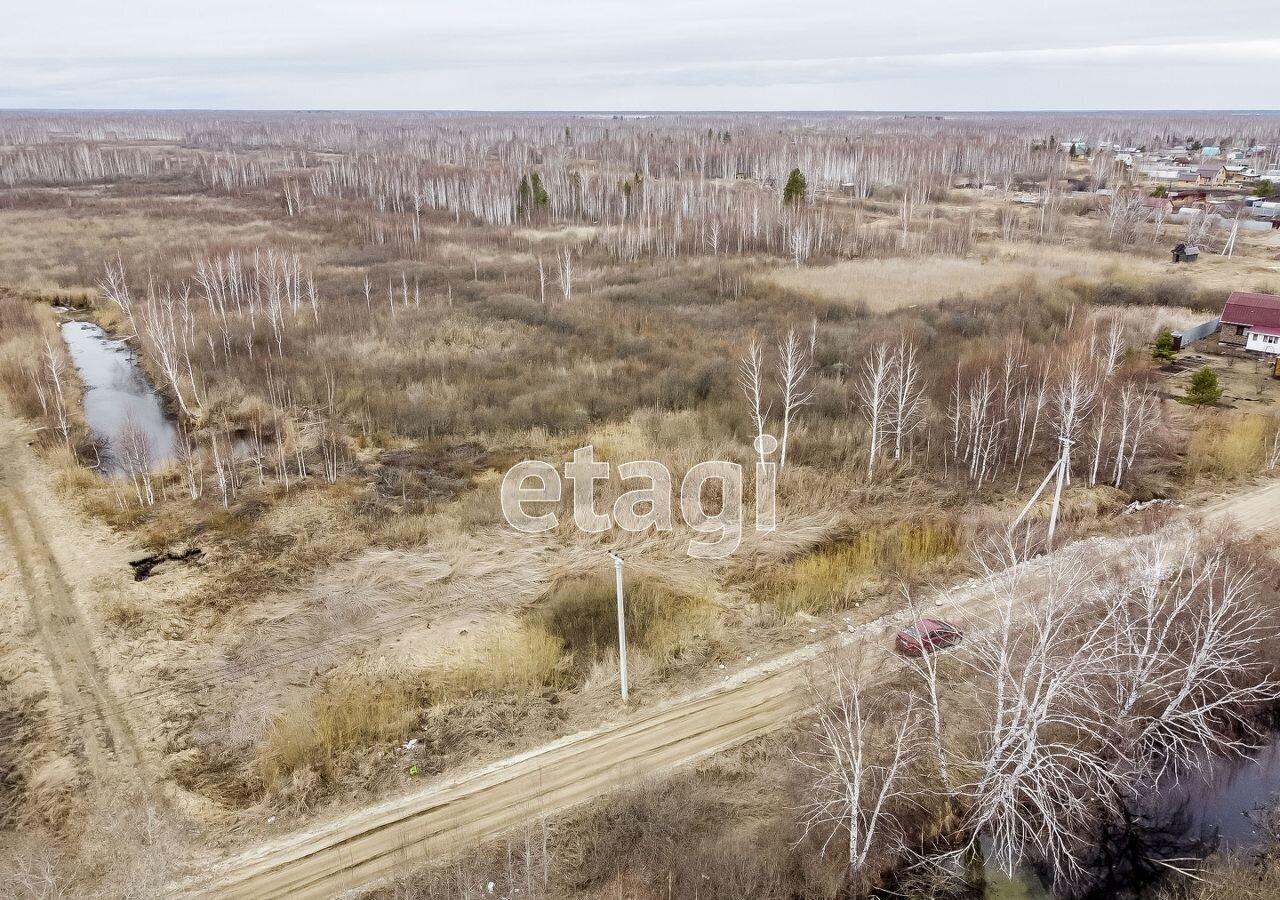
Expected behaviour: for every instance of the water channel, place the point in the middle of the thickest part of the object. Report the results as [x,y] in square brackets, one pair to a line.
[119,402]
[1224,808]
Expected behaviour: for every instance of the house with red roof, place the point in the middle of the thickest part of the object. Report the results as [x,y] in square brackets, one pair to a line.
[1251,322]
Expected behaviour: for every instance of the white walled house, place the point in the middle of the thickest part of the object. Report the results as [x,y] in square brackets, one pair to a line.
[1261,339]
[1251,322]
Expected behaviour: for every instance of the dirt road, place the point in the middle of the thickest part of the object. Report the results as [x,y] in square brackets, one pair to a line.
[94,722]
[462,813]
[360,849]
[1253,510]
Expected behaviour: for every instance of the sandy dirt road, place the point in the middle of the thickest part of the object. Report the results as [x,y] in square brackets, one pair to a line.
[364,847]
[92,720]
[461,813]
[1253,510]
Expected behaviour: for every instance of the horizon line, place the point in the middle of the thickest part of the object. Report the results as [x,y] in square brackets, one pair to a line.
[628,112]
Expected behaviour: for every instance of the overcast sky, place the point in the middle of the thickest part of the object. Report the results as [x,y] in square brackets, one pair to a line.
[641,54]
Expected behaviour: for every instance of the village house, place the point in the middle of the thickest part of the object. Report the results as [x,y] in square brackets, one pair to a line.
[1209,175]
[1234,174]
[1251,323]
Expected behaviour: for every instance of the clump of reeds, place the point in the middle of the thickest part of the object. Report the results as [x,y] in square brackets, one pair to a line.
[524,661]
[1230,445]
[834,575]
[663,623]
[343,718]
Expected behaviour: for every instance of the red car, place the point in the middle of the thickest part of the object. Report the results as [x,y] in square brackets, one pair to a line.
[927,635]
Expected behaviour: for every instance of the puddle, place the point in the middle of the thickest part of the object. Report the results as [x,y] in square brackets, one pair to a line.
[120,405]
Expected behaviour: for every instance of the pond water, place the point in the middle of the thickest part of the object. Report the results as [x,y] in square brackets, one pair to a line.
[118,398]
[1224,808]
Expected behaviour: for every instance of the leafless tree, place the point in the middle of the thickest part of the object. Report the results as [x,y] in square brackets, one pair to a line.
[1201,226]
[161,318]
[190,465]
[1071,399]
[905,412]
[873,388]
[1124,211]
[1035,783]
[115,287]
[925,666]
[795,384]
[1114,345]
[1087,683]
[1135,411]
[856,765]
[751,379]
[976,424]
[566,273]
[56,373]
[1184,639]
[132,450]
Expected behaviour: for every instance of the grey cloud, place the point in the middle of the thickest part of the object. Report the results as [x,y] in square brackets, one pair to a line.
[504,54]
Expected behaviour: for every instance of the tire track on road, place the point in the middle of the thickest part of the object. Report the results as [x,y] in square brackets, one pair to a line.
[369,845]
[104,738]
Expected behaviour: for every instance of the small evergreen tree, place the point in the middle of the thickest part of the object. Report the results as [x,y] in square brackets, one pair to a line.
[1265,188]
[796,187]
[530,195]
[1160,191]
[1163,349]
[1204,389]
[540,198]
[524,197]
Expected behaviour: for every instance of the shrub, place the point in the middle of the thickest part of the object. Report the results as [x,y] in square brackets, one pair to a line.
[663,623]
[343,718]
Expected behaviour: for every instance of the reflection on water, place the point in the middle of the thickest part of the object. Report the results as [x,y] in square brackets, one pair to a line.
[117,397]
[1224,808]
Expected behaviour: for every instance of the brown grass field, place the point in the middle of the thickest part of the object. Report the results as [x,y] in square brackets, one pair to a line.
[358,587]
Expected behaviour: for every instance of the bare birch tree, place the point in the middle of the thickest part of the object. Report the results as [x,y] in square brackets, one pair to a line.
[1185,644]
[873,388]
[795,384]
[856,767]
[565,258]
[906,397]
[114,286]
[1125,210]
[1036,784]
[56,373]
[132,451]
[751,379]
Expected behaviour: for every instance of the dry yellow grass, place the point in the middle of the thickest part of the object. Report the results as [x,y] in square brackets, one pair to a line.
[832,576]
[1142,323]
[524,660]
[41,248]
[663,623]
[346,717]
[887,284]
[1230,445]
